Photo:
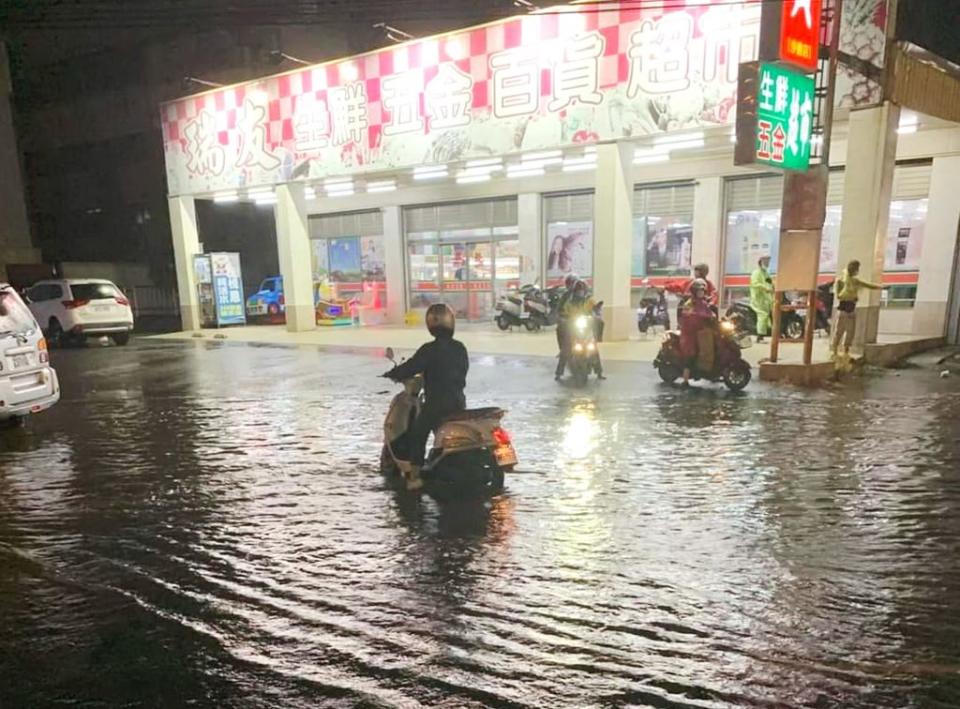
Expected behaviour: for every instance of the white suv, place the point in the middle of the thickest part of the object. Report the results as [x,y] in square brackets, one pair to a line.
[77,308]
[28,383]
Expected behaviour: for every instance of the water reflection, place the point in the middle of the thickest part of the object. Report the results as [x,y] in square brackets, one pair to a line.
[207,526]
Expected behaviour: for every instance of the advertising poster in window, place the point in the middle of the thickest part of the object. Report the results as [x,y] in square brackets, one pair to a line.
[750,235]
[667,246]
[229,288]
[830,240]
[372,258]
[569,249]
[346,263]
[321,265]
[905,235]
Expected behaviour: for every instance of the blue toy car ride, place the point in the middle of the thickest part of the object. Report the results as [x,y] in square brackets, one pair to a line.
[268,300]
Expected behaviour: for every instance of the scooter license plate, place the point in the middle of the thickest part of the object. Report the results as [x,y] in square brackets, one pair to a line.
[505,455]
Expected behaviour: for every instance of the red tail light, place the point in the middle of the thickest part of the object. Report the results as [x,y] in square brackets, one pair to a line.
[121,300]
[501,437]
[71,304]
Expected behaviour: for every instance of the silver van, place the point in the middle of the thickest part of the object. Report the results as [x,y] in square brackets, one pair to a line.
[28,384]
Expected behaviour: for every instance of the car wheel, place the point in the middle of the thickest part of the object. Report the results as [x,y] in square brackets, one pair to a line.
[121,338]
[737,376]
[502,323]
[55,336]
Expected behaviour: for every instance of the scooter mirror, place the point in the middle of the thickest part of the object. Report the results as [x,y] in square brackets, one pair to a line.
[389,354]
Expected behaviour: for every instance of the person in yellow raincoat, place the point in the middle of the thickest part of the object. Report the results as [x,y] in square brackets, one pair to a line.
[848,287]
[761,297]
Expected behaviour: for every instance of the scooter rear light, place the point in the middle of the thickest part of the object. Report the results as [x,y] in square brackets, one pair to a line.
[501,436]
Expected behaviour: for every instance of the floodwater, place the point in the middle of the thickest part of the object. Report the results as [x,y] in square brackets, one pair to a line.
[204,525]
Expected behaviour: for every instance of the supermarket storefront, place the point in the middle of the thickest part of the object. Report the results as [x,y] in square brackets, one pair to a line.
[457,167]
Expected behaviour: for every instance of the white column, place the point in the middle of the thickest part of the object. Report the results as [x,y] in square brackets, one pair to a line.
[293,247]
[186,244]
[613,238]
[530,227]
[708,225]
[394,257]
[867,188]
[939,246]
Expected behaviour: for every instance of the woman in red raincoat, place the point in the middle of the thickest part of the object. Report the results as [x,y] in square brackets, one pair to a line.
[694,317]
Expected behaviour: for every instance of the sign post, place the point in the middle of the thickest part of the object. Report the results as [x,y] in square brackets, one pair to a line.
[784,120]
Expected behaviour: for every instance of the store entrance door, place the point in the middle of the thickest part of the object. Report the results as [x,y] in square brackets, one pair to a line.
[467,278]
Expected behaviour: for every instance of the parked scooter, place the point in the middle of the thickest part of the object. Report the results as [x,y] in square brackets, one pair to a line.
[728,364]
[470,452]
[744,318]
[511,312]
[653,310]
[543,306]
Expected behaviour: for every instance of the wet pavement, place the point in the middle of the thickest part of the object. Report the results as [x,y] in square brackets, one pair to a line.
[203,524]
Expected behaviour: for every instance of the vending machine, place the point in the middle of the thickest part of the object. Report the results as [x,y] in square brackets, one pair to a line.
[219,289]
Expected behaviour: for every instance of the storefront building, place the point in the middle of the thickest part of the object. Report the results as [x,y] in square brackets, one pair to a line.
[455,168]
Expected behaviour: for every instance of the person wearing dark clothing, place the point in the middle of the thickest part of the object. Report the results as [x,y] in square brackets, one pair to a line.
[562,324]
[443,364]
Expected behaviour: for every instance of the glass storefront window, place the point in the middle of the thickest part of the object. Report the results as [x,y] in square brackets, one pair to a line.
[348,259]
[456,255]
[662,231]
[905,235]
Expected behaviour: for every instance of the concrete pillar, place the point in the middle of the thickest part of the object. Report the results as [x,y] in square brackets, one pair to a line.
[867,189]
[530,227]
[708,225]
[613,238]
[186,243]
[395,264]
[939,248]
[293,247]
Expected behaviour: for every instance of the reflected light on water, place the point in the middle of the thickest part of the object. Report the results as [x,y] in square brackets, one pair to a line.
[580,436]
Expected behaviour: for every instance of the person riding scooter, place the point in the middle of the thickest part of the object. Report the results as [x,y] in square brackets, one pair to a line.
[696,318]
[443,364]
[579,304]
[562,324]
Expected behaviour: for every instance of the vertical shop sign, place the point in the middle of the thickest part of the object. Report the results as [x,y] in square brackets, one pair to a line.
[228,287]
[774,117]
[790,33]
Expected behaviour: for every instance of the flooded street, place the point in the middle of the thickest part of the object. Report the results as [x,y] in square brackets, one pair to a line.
[204,524]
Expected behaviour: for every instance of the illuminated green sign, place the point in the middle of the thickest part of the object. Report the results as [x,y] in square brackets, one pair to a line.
[784,117]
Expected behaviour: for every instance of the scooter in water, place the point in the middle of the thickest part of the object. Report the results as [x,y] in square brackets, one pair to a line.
[582,354]
[470,452]
[727,363]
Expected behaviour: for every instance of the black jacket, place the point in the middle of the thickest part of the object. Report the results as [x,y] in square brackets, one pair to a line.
[443,364]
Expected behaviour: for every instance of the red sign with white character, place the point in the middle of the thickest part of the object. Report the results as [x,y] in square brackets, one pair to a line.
[800,33]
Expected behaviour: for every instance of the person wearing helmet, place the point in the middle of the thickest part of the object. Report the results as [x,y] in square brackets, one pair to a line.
[580,303]
[443,364]
[761,297]
[562,324]
[695,316]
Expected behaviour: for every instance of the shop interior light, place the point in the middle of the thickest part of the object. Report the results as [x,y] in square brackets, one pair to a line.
[485,170]
[484,162]
[590,150]
[430,173]
[347,192]
[541,156]
[309,193]
[524,171]
[382,186]
[648,158]
[679,138]
[334,181]
[226,197]
[908,128]
[470,179]
[259,192]
[579,165]
[265,200]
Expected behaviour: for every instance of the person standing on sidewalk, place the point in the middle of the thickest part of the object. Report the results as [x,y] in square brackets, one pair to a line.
[848,287]
[761,296]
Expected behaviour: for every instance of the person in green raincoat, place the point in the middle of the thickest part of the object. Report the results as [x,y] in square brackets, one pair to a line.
[761,297]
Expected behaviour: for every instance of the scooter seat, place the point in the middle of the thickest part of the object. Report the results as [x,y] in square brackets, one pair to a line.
[474,414]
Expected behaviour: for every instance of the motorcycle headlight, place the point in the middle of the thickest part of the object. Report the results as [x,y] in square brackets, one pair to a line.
[578,347]
[727,328]
[581,322]
[591,347]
